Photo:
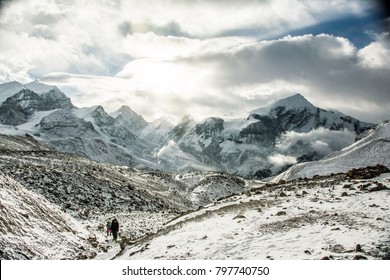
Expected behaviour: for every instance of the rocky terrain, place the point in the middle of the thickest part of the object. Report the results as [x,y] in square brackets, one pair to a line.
[328,217]
[87,194]
[47,196]
[34,228]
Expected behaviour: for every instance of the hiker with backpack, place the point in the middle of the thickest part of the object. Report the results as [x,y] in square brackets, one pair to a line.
[108,227]
[114,229]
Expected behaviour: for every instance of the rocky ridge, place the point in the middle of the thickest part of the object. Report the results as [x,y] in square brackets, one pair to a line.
[245,146]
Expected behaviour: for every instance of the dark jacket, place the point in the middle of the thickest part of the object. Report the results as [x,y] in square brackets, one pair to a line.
[114,225]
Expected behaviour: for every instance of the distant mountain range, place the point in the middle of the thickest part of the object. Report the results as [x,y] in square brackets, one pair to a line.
[250,147]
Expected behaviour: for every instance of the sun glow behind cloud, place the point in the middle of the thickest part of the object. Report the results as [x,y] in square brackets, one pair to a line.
[201,58]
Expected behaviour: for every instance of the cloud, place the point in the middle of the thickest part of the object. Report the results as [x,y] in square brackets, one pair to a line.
[377,54]
[293,147]
[193,57]
[279,161]
[204,19]
[170,29]
[328,70]
[218,77]
[321,141]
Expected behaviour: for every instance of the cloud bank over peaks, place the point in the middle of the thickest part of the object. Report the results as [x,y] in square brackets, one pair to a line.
[327,70]
[203,58]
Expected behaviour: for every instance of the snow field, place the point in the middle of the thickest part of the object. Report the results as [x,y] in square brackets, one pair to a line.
[305,223]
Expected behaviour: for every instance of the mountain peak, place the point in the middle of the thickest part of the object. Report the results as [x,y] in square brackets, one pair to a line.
[39,87]
[9,89]
[293,102]
[296,101]
[10,84]
[123,110]
[126,117]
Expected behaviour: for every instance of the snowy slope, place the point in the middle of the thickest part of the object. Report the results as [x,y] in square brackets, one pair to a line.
[129,119]
[21,143]
[27,217]
[373,149]
[254,146]
[39,88]
[50,94]
[296,102]
[157,132]
[236,218]
[89,194]
[309,219]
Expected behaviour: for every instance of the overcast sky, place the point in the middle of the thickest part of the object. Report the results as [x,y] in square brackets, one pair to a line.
[203,58]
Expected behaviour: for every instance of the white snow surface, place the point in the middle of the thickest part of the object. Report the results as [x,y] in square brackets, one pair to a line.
[294,102]
[236,218]
[85,113]
[311,220]
[34,228]
[35,119]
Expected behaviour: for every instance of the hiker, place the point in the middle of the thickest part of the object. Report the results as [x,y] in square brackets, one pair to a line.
[108,226]
[114,229]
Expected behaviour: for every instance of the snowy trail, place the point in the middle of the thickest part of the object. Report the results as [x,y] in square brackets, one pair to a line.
[311,220]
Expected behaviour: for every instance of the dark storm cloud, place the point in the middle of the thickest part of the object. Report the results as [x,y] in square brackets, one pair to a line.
[384,7]
[3,3]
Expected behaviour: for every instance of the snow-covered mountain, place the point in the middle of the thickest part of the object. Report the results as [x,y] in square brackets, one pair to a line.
[157,132]
[248,146]
[258,146]
[372,148]
[47,113]
[19,103]
[296,113]
[129,119]
[9,89]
